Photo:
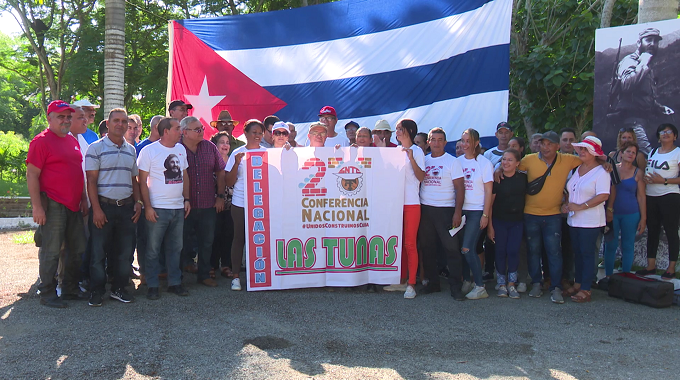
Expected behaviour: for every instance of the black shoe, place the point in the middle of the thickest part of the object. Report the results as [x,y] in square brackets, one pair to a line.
[645,272]
[456,293]
[430,288]
[668,275]
[55,302]
[95,299]
[178,289]
[80,296]
[444,272]
[122,295]
[153,294]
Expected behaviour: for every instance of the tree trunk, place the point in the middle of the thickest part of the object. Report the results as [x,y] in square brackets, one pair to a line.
[657,10]
[114,56]
[607,11]
[304,3]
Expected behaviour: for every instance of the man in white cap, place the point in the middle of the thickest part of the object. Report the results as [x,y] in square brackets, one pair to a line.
[329,118]
[317,136]
[382,134]
[90,111]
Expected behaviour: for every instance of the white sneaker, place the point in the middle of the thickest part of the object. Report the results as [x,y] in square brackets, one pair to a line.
[467,287]
[410,292]
[396,288]
[478,292]
[522,287]
[236,284]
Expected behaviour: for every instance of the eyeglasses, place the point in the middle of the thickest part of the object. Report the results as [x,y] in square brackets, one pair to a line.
[197,130]
[225,123]
[318,133]
[280,133]
[665,132]
[326,118]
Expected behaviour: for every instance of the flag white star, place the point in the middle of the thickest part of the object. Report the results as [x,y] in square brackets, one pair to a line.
[203,102]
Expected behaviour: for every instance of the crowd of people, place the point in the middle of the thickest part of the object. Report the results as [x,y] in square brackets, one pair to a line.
[177,200]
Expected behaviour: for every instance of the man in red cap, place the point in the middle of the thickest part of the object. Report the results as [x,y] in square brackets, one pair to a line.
[329,118]
[56,185]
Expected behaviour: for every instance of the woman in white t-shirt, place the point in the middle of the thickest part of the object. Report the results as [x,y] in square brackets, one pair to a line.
[254,130]
[415,173]
[478,176]
[663,199]
[588,190]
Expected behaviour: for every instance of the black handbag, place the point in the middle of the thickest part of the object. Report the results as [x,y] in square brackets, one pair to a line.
[642,290]
[535,186]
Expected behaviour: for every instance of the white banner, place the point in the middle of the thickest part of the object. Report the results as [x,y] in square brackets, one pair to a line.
[324,217]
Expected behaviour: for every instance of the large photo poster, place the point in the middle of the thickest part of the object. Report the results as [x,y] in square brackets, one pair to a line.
[324,217]
[637,81]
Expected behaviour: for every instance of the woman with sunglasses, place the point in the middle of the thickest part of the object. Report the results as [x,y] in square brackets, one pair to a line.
[254,130]
[627,135]
[663,199]
[280,134]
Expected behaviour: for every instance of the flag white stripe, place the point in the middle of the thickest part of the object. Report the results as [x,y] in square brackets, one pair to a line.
[391,50]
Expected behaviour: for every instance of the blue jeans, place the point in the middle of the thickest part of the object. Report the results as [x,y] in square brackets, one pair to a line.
[121,229]
[202,222]
[508,240]
[167,230]
[583,242]
[544,232]
[468,246]
[627,225]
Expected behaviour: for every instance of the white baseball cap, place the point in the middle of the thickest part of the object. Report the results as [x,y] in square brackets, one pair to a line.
[84,103]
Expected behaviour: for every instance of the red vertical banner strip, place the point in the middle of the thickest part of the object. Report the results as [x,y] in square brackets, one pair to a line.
[258,233]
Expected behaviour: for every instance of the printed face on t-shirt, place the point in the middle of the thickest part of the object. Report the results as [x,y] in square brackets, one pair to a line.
[173,173]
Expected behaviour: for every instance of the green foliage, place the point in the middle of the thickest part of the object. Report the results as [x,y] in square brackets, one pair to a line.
[13,150]
[25,237]
[552,59]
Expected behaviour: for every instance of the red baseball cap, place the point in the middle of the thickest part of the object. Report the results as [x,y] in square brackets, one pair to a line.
[328,110]
[59,106]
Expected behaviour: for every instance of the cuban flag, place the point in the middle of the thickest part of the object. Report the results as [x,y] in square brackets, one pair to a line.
[442,63]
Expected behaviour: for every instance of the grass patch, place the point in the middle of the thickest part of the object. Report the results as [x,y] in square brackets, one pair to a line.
[25,237]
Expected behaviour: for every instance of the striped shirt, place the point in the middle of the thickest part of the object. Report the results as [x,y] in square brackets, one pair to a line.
[116,166]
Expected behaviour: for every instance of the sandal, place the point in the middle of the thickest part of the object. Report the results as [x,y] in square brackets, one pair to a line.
[212,273]
[668,276]
[581,297]
[570,292]
[226,272]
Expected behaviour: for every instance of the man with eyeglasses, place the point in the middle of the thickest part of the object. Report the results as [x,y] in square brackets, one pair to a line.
[54,176]
[178,109]
[206,169]
[317,135]
[329,118]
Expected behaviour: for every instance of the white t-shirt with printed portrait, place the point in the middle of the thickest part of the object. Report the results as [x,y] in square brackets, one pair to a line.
[476,172]
[166,180]
[437,187]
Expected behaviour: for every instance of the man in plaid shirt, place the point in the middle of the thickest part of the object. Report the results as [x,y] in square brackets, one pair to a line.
[206,176]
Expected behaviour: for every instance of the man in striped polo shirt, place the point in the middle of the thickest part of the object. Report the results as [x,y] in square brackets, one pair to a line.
[111,168]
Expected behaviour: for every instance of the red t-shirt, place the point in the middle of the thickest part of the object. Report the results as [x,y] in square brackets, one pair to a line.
[60,162]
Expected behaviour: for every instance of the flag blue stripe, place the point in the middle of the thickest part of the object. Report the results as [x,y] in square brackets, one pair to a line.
[322,22]
[475,72]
